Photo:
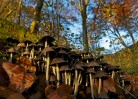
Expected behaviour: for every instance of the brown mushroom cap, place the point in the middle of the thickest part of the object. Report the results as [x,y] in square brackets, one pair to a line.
[103,95]
[83,65]
[27,42]
[13,49]
[64,68]
[47,38]
[115,68]
[94,64]
[26,53]
[32,44]
[61,47]
[47,49]
[77,66]
[121,72]
[21,44]
[101,74]
[87,58]
[90,71]
[57,61]
[52,78]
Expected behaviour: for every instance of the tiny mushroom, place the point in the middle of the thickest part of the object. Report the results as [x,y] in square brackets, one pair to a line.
[47,40]
[101,75]
[65,69]
[46,52]
[56,62]
[11,51]
[78,76]
[91,72]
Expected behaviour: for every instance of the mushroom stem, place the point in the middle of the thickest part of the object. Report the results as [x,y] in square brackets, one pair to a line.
[123,84]
[10,59]
[100,85]
[66,78]
[46,44]
[58,76]
[54,70]
[86,81]
[113,74]
[77,82]
[47,69]
[69,78]
[91,85]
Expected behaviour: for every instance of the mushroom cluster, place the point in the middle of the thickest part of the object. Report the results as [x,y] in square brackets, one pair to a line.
[61,65]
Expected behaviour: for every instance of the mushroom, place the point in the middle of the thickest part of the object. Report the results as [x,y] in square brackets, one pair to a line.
[52,79]
[11,51]
[26,53]
[77,79]
[113,69]
[56,62]
[46,52]
[65,69]
[91,72]
[101,75]
[47,40]
[32,45]
[21,44]
[27,42]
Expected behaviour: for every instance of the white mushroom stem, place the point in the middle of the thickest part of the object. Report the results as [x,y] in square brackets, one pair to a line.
[10,59]
[86,84]
[123,84]
[113,74]
[47,69]
[66,78]
[76,76]
[91,85]
[69,78]
[77,82]
[54,70]
[46,44]
[100,85]
[26,49]
[58,76]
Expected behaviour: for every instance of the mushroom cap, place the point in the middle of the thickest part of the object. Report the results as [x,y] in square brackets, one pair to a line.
[13,49]
[102,62]
[115,68]
[87,58]
[94,64]
[47,38]
[27,42]
[21,44]
[10,39]
[32,44]
[77,66]
[63,52]
[47,49]
[57,61]
[64,68]
[121,72]
[72,54]
[83,65]
[61,47]
[90,70]
[26,53]
[103,95]
[52,78]
[101,74]
[39,45]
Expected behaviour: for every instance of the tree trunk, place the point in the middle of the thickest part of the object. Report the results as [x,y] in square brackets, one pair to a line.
[37,17]
[84,26]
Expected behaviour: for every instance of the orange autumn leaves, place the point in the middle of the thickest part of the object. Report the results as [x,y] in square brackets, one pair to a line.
[117,12]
